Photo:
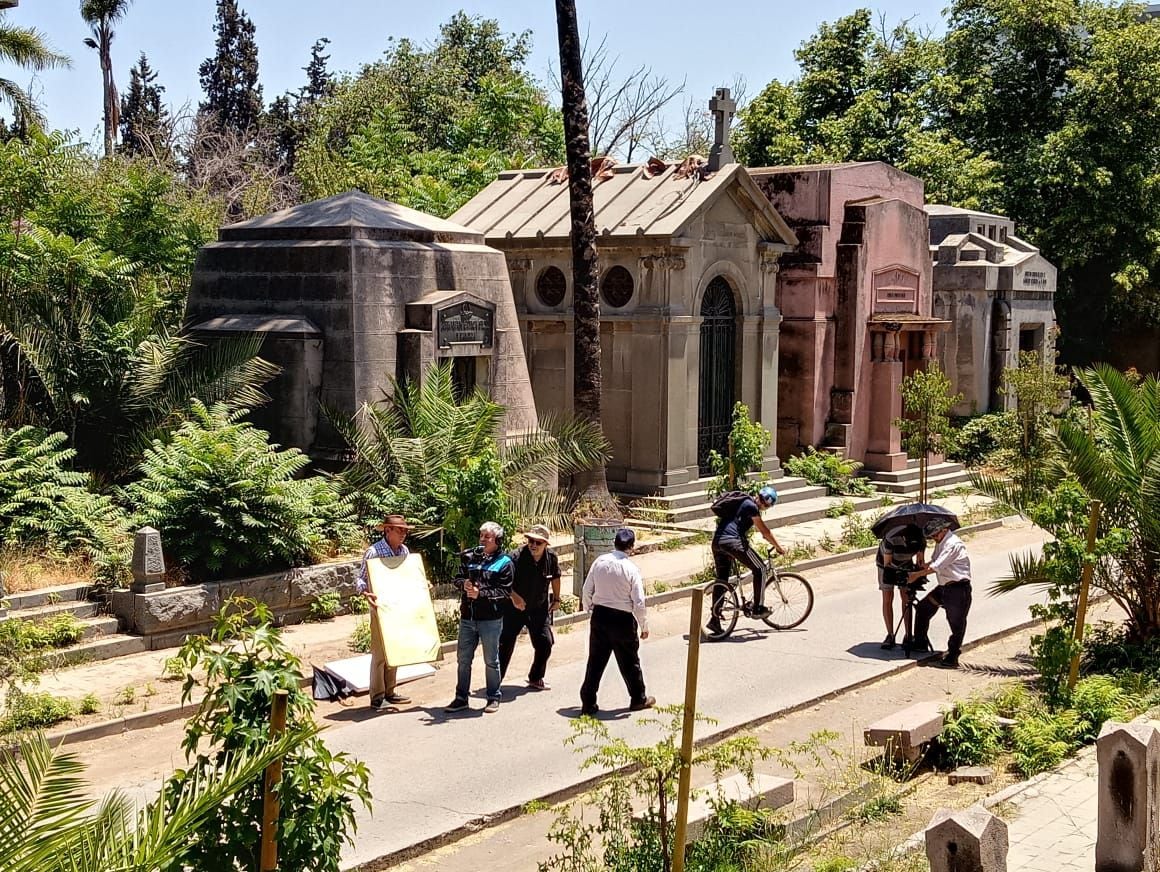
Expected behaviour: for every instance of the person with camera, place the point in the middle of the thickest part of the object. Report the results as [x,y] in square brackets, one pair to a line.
[900,551]
[952,568]
[486,582]
[383,676]
[737,513]
[535,597]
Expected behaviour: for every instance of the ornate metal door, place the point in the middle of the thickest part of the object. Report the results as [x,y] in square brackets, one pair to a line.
[717,393]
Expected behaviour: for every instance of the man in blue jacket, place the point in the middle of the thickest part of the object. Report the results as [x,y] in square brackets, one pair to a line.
[486,583]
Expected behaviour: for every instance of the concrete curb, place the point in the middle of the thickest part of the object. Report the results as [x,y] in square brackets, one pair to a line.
[168,714]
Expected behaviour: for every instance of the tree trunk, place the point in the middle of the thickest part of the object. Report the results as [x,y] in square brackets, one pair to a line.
[585,270]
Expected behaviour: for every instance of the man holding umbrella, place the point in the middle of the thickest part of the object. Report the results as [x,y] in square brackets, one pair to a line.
[952,568]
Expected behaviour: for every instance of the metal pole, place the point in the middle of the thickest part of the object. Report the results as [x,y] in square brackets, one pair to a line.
[273,775]
[684,783]
[1081,603]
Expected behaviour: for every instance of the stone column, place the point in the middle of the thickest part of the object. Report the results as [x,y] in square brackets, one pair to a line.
[1128,756]
[148,565]
[972,840]
[770,347]
[884,442]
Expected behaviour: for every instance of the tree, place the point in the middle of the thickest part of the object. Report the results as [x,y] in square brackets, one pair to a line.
[27,48]
[233,97]
[100,16]
[1036,388]
[288,117]
[587,375]
[926,404]
[146,128]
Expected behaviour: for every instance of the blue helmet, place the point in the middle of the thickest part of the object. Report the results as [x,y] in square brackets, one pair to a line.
[767,495]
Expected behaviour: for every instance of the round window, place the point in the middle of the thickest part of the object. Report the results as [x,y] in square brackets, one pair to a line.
[551,286]
[617,287]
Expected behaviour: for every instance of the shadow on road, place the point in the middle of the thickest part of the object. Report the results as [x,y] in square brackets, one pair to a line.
[873,651]
[573,711]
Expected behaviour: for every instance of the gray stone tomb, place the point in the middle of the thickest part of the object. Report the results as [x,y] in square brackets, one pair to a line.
[1128,797]
[971,840]
[351,291]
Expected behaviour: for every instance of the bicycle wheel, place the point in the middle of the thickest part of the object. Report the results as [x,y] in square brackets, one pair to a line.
[721,609]
[790,600]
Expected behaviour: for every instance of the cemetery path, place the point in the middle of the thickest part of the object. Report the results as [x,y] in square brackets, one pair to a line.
[433,773]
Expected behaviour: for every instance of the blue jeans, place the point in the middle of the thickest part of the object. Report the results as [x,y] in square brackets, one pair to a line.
[471,633]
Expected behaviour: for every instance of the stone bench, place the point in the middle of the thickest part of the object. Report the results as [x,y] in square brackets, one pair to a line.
[766,791]
[906,733]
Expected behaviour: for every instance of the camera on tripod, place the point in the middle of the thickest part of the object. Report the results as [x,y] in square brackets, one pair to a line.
[899,576]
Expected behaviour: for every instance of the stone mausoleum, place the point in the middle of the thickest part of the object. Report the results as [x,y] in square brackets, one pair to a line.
[351,291]
[689,322]
[856,306]
[999,292]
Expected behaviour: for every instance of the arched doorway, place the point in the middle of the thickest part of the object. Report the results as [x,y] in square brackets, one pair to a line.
[717,392]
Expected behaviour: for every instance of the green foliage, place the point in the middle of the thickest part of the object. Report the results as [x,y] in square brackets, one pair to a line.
[228,502]
[326,606]
[440,461]
[59,631]
[1041,741]
[569,604]
[977,440]
[358,605]
[841,510]
[856,532]
[971,733]
[877,809]
[244,661]
[1110,648]
[838,474]
[360,639]
[447,622]
[233,97]
[34,711]
[926,425]
[1101,698]
[89,704]
[748,441]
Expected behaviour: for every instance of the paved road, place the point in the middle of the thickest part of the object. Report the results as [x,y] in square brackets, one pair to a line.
[432,772]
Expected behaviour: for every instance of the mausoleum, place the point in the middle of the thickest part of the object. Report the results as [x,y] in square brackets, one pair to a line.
[855,301]
[999,292]
[350,291]
[689,322]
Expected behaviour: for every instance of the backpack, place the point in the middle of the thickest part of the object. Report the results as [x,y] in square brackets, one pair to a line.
[726,505]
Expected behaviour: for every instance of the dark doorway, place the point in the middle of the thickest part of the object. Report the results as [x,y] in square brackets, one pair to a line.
[718,364]
[462,377]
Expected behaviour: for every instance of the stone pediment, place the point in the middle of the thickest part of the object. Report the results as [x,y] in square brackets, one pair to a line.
[350,215]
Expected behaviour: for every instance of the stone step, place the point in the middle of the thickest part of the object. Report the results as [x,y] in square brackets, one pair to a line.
[799,512]
[76,608]
[912,472]
[47,596]
[788,490]
[102,648]
[768,792]
[697,485]
[933,483]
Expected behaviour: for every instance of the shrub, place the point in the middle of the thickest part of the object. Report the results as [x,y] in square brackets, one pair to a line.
[89,704]
[447,620]
[59,631]
[1112,649]
[1041,741]
[227,501]
[360,639]
[569,604]
[978,438]
[47,506]
[1101,698]
[856,532]
[832,470]
[971,733]
[326,605]
[358,605]
[34,711]
[841,510]
[748,441]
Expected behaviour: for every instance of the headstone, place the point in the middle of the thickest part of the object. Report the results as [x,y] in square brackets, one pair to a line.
[148,566]
[1128,757]
[971,840]
[722,106]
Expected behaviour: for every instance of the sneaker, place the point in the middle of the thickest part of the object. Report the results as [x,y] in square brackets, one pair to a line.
[457,705]
[377,701]
[539,685]
[646,703]
[888,643]
[492,707]
[944,663]
[761,611]
[589,711]
[397,699]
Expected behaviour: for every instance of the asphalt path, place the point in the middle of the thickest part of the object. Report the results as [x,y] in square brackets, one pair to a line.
[432,773]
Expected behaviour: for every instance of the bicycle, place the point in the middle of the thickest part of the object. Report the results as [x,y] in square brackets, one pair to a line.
[788,596]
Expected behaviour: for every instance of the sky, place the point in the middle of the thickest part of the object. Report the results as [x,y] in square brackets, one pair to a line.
[707,46]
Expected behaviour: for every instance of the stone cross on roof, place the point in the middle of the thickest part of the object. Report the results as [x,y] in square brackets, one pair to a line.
[722,108]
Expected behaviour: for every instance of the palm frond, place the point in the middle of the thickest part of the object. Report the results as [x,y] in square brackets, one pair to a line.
[27,47]
[1027,570]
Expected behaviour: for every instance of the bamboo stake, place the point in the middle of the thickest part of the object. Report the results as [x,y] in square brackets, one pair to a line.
[1081,603]
[273,775]
[684,783]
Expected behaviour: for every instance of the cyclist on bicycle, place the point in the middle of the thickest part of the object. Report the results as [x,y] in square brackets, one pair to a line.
[738,513]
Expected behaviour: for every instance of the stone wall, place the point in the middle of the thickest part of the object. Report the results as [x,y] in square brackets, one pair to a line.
[167,616]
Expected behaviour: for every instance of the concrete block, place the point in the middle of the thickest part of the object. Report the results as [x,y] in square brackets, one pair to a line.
[766,791]
[972,840]
[971,775]
[148,565]
[1128,793]
[906,733]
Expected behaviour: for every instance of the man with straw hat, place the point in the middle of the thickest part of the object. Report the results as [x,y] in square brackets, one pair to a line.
[535,596]
[383,676]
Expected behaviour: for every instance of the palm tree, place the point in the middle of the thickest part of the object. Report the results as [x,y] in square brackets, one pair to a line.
[28,49]
[48,823]
[587,377]
[100,16]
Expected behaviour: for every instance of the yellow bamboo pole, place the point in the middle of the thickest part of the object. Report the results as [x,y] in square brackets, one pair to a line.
[1085,581]
[273,775]
[684,783]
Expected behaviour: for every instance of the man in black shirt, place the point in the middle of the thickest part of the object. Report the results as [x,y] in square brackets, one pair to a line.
[731,542]
[537,568]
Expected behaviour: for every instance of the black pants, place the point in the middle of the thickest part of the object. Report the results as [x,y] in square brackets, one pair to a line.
[612,631]
[725,551]
[956,599]
[539,624]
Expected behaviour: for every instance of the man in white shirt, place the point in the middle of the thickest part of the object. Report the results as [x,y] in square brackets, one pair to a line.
[613,595]
[952,569]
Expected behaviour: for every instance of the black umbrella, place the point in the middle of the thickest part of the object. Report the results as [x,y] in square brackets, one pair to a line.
[913,513]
